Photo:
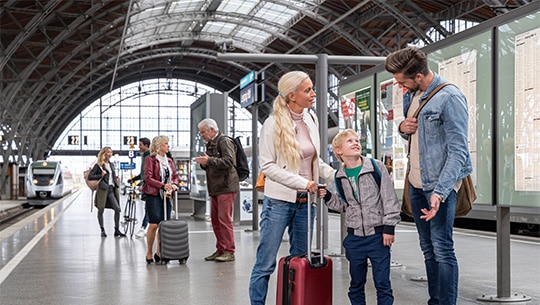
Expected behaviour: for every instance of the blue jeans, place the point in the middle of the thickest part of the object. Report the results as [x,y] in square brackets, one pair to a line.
[358,249]
[276,215]
[437,244]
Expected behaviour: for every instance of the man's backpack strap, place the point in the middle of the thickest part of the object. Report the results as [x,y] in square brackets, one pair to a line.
[219,144]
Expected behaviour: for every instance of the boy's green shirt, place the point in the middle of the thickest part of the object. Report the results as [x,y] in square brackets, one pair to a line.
[352,174]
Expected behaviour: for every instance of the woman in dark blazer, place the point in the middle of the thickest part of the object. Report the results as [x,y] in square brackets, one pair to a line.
[107,194]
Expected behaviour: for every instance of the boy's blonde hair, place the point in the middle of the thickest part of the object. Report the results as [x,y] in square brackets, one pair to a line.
[339,138]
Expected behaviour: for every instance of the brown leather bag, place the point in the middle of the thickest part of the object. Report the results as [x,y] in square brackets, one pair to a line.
[466,197]
[466,193]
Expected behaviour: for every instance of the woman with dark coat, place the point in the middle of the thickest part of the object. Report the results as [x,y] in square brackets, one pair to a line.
[107,194]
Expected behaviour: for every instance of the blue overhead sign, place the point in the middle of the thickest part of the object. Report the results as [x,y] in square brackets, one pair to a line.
[248,95]
[127,165]
[246,80]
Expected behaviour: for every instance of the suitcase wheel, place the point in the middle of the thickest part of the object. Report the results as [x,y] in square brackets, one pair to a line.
[182,261]
[164,261]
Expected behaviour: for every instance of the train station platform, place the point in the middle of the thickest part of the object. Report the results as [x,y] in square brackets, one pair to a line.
[10,208]
[57,256]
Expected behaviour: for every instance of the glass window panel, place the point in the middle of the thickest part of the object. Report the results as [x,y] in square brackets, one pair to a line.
[242,7]
[131,123]
[111,119]
[145,109]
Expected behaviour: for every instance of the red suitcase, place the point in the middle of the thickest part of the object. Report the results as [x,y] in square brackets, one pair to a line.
[303,281]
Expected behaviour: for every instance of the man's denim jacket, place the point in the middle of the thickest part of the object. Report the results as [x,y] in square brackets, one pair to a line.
[442,137]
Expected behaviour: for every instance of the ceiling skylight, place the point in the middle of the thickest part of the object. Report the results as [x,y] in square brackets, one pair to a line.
[248,23]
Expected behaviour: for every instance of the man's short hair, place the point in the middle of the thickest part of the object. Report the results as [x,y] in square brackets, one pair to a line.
[145,141]
[208,124]
[409,61]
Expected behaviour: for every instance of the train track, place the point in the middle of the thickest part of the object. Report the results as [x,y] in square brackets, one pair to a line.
[15,215]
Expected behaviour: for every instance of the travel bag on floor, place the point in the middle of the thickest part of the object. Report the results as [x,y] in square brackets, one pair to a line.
[305,279]
[173,236]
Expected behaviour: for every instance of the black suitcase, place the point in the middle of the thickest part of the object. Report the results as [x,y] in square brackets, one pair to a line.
[173,237]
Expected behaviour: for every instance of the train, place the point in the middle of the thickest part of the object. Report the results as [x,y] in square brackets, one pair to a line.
[46,181]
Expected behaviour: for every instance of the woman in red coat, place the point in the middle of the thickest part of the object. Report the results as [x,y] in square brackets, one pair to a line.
[161,180]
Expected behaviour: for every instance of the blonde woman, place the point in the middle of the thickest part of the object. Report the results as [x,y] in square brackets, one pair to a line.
[160,178]
[107,194]
[289,157]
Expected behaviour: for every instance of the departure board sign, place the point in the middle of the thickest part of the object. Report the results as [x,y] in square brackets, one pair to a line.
[130,140]
[247,95]
[76,140]
[248,89]
[73,140]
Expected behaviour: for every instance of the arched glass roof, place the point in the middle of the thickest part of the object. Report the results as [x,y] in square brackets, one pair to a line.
[58,57]
[247,24]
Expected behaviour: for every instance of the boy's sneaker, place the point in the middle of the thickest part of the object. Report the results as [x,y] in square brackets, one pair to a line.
[225,257]
[140,233]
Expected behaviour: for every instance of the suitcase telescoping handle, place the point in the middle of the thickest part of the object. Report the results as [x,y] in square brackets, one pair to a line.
[319,216]
[175,195]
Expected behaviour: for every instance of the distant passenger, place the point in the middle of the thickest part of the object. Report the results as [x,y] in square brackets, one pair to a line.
[160,178]
[219,163]
[107,195]
[439,159]
[370,234]
[289,157]
[144,147]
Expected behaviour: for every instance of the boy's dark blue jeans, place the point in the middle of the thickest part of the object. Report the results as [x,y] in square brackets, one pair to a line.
[358,249]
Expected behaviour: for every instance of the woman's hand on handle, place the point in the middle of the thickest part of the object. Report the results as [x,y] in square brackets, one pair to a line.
[311,187]
[169,187]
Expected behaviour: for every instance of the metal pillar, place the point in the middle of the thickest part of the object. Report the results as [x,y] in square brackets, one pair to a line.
[254,166]
[321,81]
[503,262]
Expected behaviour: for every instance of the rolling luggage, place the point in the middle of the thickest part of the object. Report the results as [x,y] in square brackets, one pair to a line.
[305,279]
[173,236]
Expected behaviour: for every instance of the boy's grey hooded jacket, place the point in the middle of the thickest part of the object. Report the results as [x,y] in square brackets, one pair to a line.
[376,210]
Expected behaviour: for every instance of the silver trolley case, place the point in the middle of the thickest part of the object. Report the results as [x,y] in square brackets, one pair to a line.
[173,236]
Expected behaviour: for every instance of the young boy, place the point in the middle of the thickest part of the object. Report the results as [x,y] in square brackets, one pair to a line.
[372,210]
